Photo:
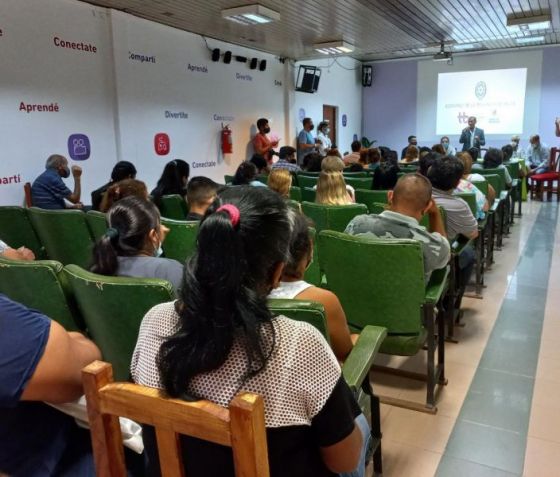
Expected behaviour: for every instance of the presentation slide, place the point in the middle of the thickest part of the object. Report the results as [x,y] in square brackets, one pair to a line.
[495,97]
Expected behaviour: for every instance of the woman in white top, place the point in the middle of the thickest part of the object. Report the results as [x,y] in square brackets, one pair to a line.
[292,285]
[449,149]
[466,159]
[323,135]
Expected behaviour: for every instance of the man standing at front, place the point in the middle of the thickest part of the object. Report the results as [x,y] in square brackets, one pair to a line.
[49,191]
[472,136]
[306,142]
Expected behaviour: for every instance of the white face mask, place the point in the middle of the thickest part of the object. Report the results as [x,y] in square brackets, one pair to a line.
[327,131]
[158,252]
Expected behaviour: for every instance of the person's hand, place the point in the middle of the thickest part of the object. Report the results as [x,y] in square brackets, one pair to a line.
[466,129]
[20,254]
[318,141]
[433,208]
[76,171]
[275,143]
[26,254]
[476,138]
[77,205]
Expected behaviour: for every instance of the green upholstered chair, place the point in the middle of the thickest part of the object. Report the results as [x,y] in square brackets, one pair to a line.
[17,230]
[371,198]
[174,207]
[262,178]
[313,273]
[499,207]
[332,217]
[65,235]
[364,183]
[97,222]
[308,194]
[355,368]
[295,193]
[180,242]
[307,181]
[381,283]
[346,174]
[228,179]
[40,285]
[294,204]
[408,169]
[113,308]
[470,199]
[513,169]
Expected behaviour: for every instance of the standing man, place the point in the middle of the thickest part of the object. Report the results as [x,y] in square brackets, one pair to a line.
[557,127]
[261,143]
[306,142]
[49,191]
[411,142]
[472,136]
[538,156]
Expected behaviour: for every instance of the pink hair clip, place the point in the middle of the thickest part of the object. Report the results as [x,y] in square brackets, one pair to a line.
[233,212]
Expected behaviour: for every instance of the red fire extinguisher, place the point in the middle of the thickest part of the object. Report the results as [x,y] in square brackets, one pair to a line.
[227,142]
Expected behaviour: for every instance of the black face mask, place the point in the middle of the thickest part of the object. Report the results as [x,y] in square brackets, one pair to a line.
[266,130]
[312,127]
[66,172]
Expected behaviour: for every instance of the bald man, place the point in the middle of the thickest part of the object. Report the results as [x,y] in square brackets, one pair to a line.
[409,201]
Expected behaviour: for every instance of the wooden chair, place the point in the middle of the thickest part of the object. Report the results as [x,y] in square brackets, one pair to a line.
[28,196]
[240,427]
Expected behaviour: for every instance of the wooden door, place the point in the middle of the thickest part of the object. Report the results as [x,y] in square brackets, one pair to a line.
[329,114]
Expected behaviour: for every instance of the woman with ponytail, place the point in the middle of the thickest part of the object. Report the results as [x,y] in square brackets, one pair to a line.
[131,247]
[219,338]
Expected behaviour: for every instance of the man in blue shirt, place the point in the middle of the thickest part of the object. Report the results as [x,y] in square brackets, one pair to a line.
[306,142]
[538,156]
[49,191]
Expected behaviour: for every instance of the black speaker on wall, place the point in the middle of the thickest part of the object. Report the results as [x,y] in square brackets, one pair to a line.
[227,57]
[367,75]
[308,79]
[215,54]
[262,65]
[253,64]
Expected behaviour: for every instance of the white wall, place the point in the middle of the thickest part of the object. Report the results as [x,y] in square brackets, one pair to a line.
[341,86]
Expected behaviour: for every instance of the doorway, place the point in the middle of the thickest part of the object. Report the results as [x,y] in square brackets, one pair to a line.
[330,114]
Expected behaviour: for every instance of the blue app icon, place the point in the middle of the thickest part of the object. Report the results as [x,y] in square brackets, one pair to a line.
[79,147]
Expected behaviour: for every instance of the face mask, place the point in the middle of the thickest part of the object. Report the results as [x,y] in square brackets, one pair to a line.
[445,145]
[66,172]
[327,131]
[158,252]
[514,145]
[312,127]
[266,130]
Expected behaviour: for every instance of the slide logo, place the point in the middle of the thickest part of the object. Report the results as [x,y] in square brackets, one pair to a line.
[79,148]
[480,90]
[162,144]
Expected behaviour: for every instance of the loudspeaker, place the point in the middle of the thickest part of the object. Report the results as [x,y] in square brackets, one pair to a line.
[262,65]
[215,54]
[367,75]
[253,64]
[241,59]
[308,79]
[227,57]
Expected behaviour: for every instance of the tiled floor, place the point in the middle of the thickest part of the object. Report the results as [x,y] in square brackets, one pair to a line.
[500,413]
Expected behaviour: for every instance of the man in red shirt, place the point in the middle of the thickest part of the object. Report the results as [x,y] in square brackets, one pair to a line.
[261,143]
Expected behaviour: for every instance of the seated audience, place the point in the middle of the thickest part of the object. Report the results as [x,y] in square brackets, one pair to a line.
[408,202]
[287,159]
[448,149]
[507,152]
[354,156]
[293,286]
[122,170]
[21,253]
[220,338]
[412,141]
[385,176]
[538,156]
[518,152]
[49,191]
[466,186]
[246,174]
[331,189]
[122,189]
[260,163]
[335,164]
[312,162]
[333,151]
[40,361]
[439,149]
[280,181]
[131,247]
[373,158]
[466,159]
[474,152]
[201,192]
[173,180]
[426,161]
[493,159]
[411,155]
[356,167]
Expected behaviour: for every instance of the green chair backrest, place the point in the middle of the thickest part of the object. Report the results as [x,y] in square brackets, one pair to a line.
[378,282]
[228,179]
[301,310]
[309,173]
[263,178]
[513,169]
[359,182]
[173,207]
[470,199]
[40,285]
[482,186]
[308,194]
[355,174]
[16,230]
[307,181]
[313,272]
[180,242]
[332,217]
[497,182]
[409,169]
[65,235]
[294,204]
[497,171]
[97,222]
[295,193]
[113,308]
[371,197]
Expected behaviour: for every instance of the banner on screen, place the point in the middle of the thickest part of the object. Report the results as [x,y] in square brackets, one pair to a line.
[495,97]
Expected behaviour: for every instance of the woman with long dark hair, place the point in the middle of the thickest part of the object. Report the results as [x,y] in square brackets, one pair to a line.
[173,180]
[131,247]
[219,337]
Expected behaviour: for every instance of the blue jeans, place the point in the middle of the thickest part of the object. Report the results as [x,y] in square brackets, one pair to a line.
[360,471]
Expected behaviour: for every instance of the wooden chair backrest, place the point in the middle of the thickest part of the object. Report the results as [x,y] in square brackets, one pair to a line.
[553,159]
[27,191]
[240,427]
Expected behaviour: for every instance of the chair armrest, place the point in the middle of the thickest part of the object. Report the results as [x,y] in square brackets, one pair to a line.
[437,285]
[358,363]
[460,243]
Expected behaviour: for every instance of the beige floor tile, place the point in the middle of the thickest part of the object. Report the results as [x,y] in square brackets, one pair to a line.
[550,347]
[544,424]
[429,432]
[541,458]
[384,410]
[548,368]
[401,460]
[546,394]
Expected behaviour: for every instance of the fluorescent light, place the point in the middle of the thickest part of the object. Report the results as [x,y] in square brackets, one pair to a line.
[333,47]
[529,39]
[524,24]
[251,14]
[466,46]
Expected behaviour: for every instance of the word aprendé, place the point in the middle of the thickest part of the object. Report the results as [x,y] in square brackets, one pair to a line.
[41,108]
[74,45]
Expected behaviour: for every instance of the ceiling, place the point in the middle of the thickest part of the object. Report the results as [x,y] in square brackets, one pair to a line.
[379,29]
